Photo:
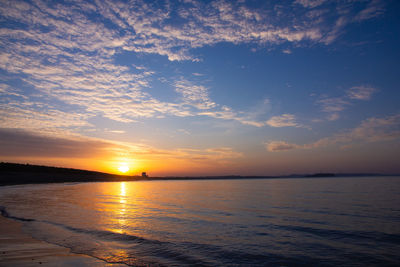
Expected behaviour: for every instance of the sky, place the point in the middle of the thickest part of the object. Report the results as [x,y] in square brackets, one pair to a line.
[201,87]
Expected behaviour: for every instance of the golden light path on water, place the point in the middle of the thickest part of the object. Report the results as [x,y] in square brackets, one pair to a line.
[120,223]
[127,203]
[122,208]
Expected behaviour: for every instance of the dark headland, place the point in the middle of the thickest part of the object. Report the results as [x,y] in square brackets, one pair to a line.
[15,173]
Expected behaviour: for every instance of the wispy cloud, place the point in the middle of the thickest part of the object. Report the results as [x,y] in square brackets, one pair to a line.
[333,117]
[335,105]
[372,130]
[63,63]
[374,8]
[44,45]
[116,131]
[310,3]
[284,120]
[276,146]
[228,113]
[149,27]
[194,95]
[253,116]
[336,30]
[360,92]
[23,143]
[36,116]
[369,131]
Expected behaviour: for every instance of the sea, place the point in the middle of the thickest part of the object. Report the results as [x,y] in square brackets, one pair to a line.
[349,221]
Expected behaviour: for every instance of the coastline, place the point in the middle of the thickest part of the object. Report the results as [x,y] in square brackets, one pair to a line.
[18,174]
[20,249]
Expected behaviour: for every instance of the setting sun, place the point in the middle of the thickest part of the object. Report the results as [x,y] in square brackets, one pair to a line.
[123,168]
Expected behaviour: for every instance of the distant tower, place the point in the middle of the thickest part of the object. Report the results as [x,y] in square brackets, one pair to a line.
[144,174]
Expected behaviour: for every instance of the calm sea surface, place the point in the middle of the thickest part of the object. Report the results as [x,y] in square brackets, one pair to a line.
[271,222]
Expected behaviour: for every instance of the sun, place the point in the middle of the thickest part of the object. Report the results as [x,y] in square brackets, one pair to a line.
[123,168]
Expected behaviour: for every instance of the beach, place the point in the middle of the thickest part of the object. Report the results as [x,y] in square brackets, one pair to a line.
[19,249]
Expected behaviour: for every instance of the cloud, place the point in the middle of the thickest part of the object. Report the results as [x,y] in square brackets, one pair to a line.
[333,117]
[35,116]
[336,30]
[223,153]
[246,118]
[194,95]
[360,92]
[374,9]
[369,131]
[64,64]
[334,104]
[148,27]
[24,144]
[46,50]
[310,3]
[377,129]
[21,143]
[284,120]
[276,146]
[116,131]
[202,25]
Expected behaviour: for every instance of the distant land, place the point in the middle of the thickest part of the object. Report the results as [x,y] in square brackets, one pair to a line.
[16,173]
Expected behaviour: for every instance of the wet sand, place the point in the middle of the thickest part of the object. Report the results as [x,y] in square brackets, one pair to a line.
[19,249]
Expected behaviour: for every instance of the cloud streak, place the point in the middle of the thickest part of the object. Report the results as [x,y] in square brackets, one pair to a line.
[334,105]
[194,95]
[284,120]
[369,131]
[23,143]
[310,3]
[374,9]
[276,146]
[360,92]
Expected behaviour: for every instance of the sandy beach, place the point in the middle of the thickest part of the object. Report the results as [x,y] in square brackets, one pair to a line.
[19,249]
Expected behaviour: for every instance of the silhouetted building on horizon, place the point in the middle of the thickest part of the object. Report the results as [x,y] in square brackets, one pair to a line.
[144,174]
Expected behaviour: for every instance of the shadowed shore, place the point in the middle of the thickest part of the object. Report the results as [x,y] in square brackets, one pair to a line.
[19,249]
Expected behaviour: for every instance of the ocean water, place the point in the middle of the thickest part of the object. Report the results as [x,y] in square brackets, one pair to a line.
[268,222]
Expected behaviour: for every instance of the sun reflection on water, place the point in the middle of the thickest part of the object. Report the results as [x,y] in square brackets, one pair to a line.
[122,193]
[121,209]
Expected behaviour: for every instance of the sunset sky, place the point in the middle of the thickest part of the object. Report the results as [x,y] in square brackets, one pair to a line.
[201,87]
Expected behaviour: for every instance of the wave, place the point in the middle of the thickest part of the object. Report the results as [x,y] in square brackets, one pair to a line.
[169,253]
[139,251]
[4,213]
[356,236]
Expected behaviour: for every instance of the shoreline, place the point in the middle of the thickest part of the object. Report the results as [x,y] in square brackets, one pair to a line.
[18,248]
[16,174]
